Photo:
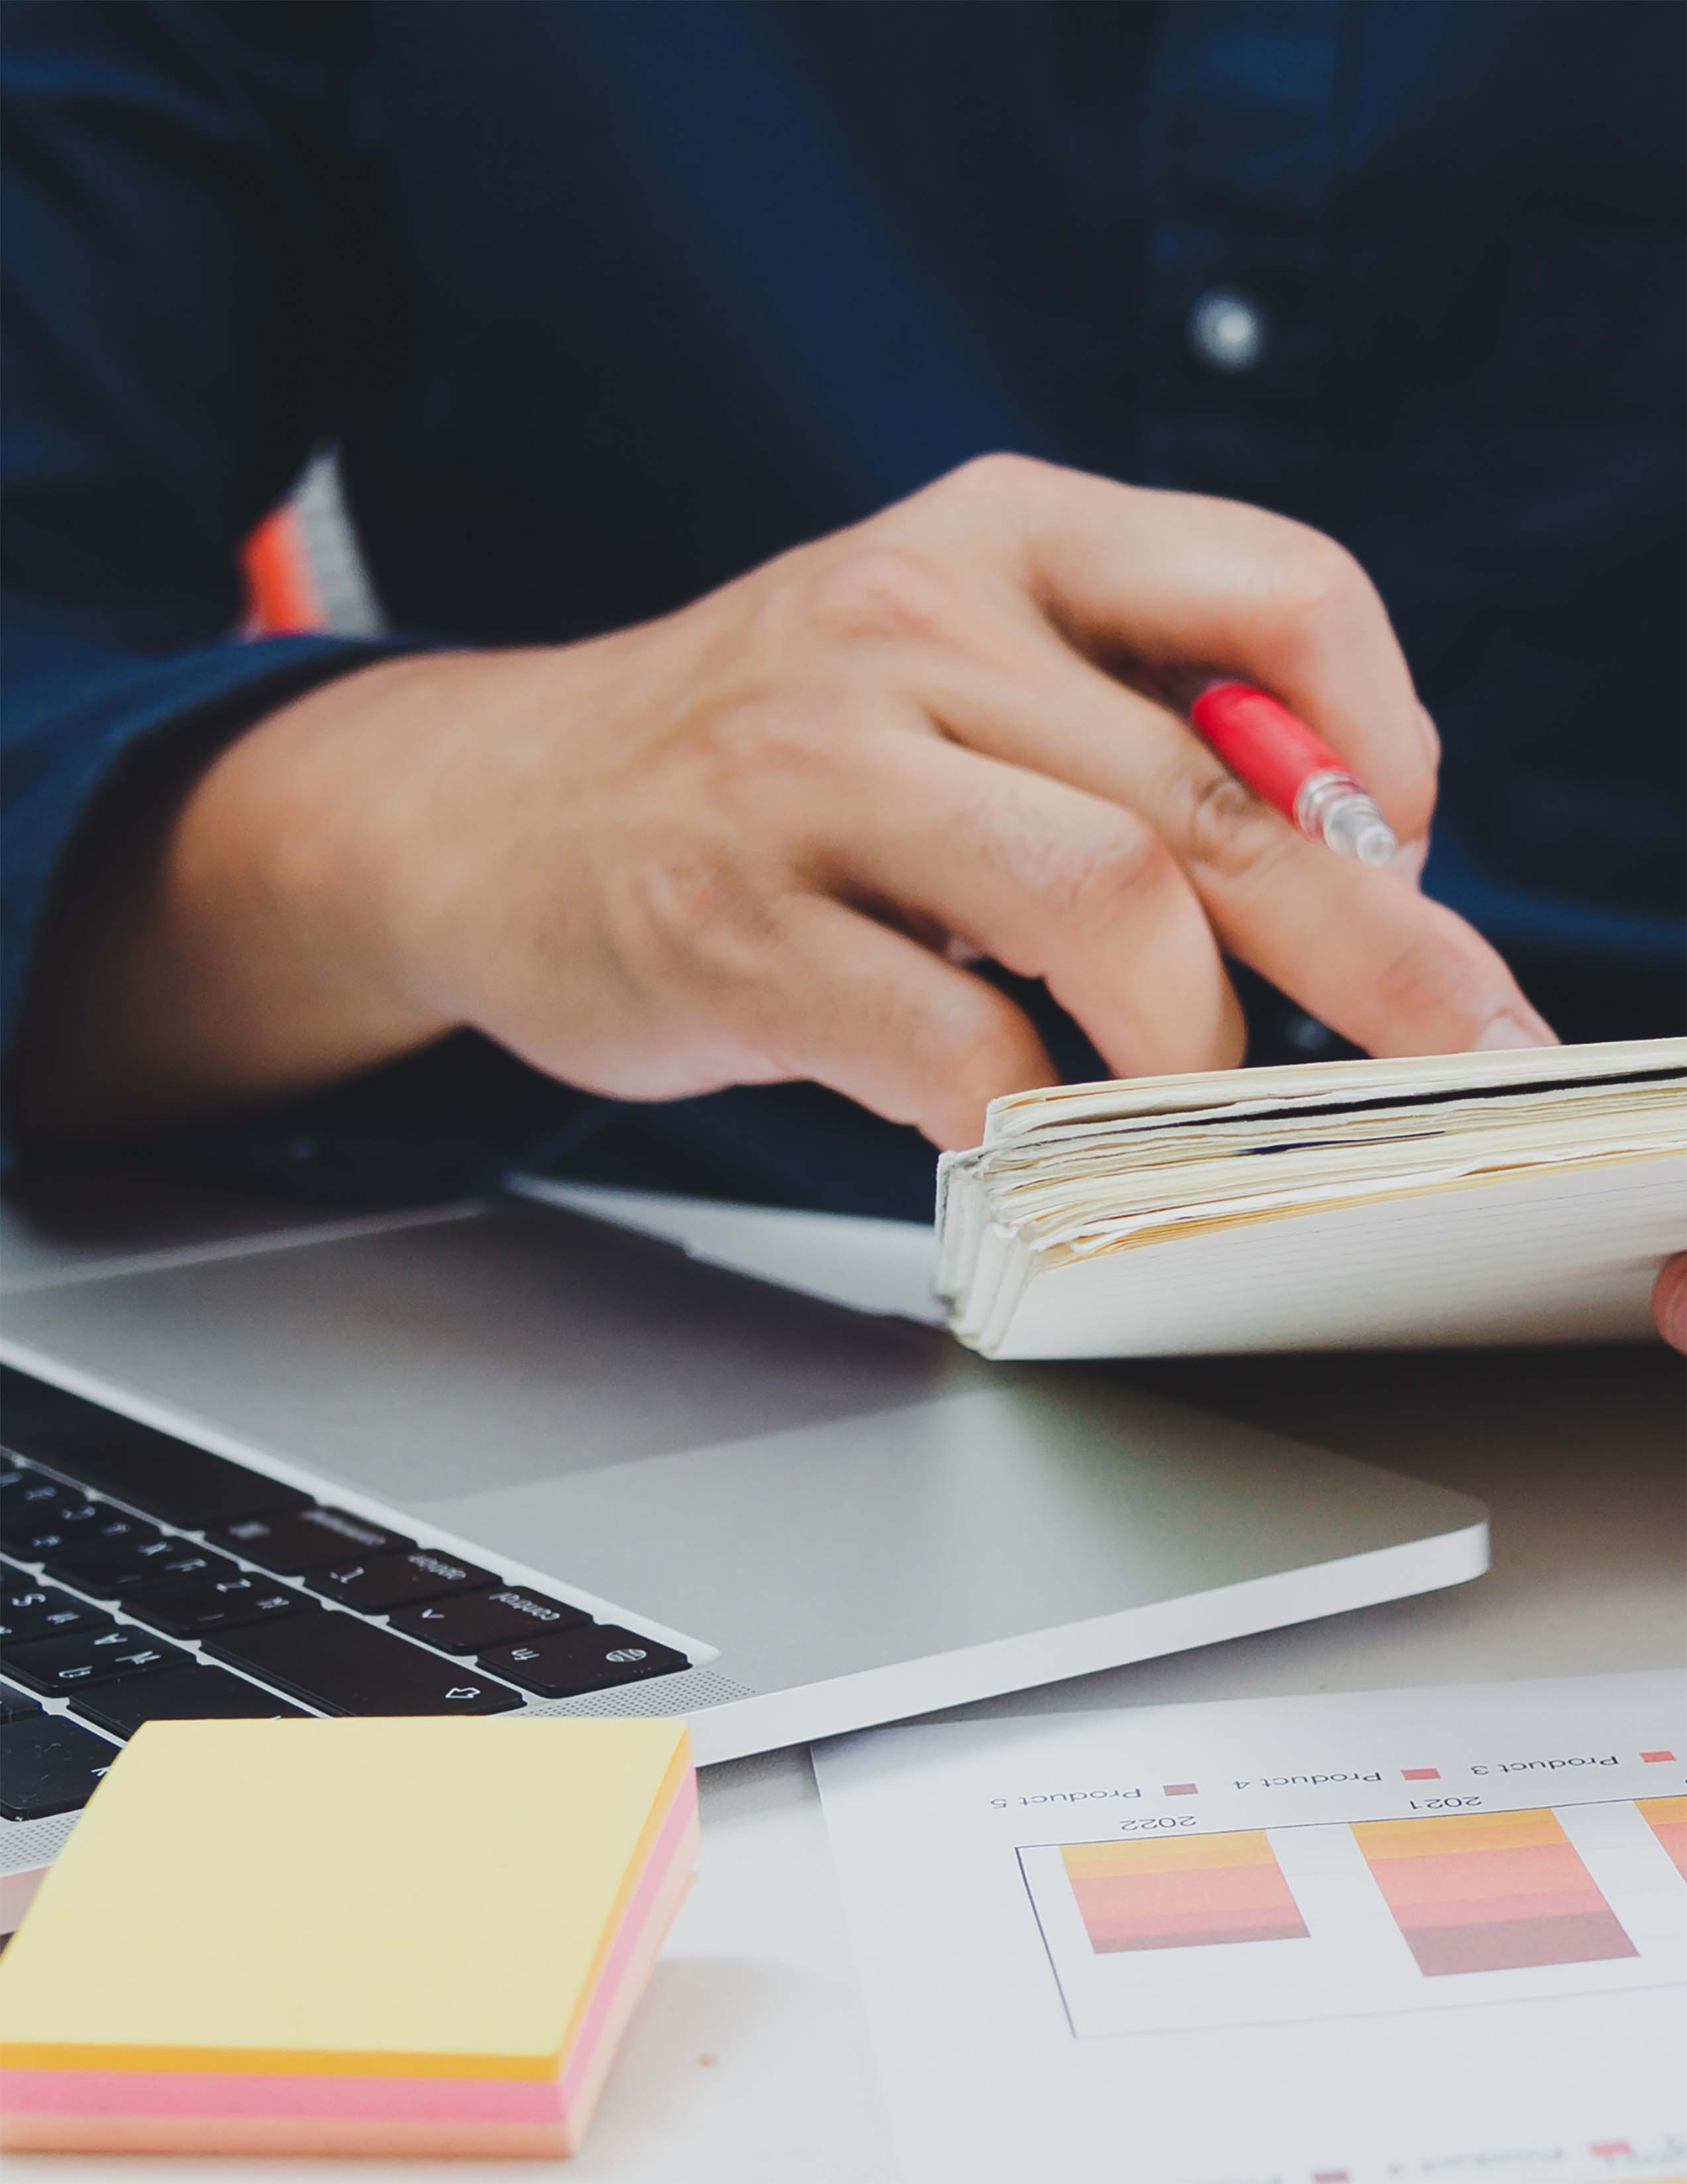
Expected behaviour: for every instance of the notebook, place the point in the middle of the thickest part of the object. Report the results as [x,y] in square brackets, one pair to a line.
[404,1937]
[1524,1196]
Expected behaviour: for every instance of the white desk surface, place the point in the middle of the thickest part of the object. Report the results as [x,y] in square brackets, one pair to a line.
[748,2062]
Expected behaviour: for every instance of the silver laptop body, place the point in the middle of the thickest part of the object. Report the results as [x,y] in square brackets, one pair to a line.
[837,1518]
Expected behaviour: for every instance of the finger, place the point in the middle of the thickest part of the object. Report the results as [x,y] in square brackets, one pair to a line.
[1174,580]
[876,1017]
[1052,882]
[1669,1302]
[1386,968]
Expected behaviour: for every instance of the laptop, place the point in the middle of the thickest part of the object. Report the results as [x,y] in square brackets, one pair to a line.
[506,1458]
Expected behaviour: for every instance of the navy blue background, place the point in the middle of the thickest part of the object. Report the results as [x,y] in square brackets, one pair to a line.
[604,304]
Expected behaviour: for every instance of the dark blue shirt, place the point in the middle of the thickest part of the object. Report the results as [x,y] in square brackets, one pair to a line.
[602,304]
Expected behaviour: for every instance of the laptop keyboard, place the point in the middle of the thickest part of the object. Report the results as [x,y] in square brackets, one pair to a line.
[123,1550]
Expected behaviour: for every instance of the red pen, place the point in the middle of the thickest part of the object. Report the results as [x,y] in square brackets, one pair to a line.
[1264,744]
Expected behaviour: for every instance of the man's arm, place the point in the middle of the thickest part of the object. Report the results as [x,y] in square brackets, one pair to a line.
[164,373]
[732,846]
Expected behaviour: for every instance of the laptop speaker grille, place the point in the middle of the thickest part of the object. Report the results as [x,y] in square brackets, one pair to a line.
[683,1694]
[37,1842]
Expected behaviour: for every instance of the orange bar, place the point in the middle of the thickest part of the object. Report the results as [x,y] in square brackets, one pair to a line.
[1219,1887]
[1453,1831]
[1161,1854]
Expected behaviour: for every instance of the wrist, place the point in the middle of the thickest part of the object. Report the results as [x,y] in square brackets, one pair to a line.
[282,862]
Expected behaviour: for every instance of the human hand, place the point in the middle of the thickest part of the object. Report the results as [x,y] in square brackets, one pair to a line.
[1669,1302]
[733,844]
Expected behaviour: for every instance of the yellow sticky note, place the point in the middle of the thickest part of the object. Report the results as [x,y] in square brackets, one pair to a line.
[407,1898]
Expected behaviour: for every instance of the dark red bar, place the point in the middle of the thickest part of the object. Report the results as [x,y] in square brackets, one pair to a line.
[1499,1945]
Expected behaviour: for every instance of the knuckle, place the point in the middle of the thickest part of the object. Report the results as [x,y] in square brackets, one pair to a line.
[1440,980]
[778,733]
[706,910]
[1316,581]
[877,593]
[1092,879]
[684,893]
[1225,829]
[999,475]
[978,1042]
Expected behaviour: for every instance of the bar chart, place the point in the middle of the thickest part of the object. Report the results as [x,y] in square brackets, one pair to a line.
[1316,1918]
[1189,1893]
[1384,1937]
[1490,1891]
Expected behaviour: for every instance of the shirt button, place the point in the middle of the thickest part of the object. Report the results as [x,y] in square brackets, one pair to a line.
[1226,330]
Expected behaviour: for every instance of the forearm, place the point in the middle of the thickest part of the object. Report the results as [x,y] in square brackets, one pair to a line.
[207,945]
[725,847]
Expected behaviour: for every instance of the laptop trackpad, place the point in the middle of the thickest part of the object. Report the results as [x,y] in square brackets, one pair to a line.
[481,1352]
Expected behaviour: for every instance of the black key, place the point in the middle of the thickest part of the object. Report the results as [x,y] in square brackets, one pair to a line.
[181,1562]
[343,1666]
[48,1518]
[308,1539]
[564,1664]
[484,1618]
[153,1471]
[22,1488]
[49,1765]
[183,1695]
[13,1472]
[37,1611]
[199,1604]
[397,1580]
[15,1704]
[59,1665]
[41,1506]
[116,1553]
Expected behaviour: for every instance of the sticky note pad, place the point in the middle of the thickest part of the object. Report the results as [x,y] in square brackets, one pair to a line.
[347,1936]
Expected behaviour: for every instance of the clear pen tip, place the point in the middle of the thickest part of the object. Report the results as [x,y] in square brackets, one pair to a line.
[1353,824]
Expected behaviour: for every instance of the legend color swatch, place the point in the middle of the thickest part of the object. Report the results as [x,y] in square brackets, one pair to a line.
[1489,1891]
[1182,1895]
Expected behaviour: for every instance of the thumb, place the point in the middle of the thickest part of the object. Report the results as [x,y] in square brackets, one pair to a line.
[1669,1302]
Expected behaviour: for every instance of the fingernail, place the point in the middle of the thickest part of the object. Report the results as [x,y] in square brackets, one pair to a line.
[1508,1028]
[1410,859]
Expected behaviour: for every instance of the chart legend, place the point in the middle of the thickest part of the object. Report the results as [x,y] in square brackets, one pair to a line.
[1192,1893]
[1490,1891]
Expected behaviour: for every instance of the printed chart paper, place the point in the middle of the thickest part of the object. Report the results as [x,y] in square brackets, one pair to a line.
[1378,1939]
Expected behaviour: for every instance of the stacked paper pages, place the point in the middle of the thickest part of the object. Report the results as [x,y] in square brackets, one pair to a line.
[1526,1196]
[418,1936]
